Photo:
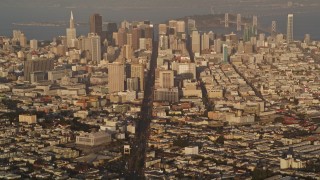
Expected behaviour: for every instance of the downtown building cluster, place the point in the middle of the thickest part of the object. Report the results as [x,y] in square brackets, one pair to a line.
[250,111]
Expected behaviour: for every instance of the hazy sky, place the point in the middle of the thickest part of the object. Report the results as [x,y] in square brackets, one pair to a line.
[156,10]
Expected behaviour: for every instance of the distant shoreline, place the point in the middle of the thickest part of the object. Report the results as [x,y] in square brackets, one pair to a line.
[40,24]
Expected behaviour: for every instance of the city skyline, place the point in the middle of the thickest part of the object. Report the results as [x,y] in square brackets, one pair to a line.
[57,11]
[228,95]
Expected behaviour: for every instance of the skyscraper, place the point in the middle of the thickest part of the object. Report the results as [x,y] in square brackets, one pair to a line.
[225,53]
[137,70]
[181,26]
[290,28]
[273,28]
[162,29]
[255,25]
[205,42]
[226,20]
[122,37]
[23,40]
[96,24]
[116,77]
[238,22]
[195,42]
[191,26]
[71,32]
[95,47]
[136,35]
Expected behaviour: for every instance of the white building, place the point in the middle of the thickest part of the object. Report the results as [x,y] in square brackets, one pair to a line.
[93,139]
[29,119]
[194,150]
[290,163]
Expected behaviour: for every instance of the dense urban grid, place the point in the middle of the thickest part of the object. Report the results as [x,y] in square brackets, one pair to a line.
[137,100]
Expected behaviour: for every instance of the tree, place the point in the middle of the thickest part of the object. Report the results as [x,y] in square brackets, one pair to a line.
[260,174]
[180,142]
[220,140]
[278,120]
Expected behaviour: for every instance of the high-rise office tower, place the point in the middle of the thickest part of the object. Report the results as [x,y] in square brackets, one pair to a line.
[248,32]
[137,70]
[238,22]
[148,31]
[112,27]
[225,53]
[191,26]
[211,36]
[33,44]
[142,43]
[96,24]
[255,24]
[273,28]
[71,32]
[23,40]
[163,42]
[217,45]
[16,35]
[31,66]
[195,42]
[290,28]
[173,23]
[166,79]
[162,29]
[129,39]
[226,20]
[122,37]
[136,35]
[127,51]
[181,26]
[205,42]
[95,47]
[125,24]
[115,38]
[116,77]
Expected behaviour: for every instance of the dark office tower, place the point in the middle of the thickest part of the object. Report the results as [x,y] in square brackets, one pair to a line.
[112,27]
[136,35]
[147,22]
[31,66]
[96,24]
[148,32]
